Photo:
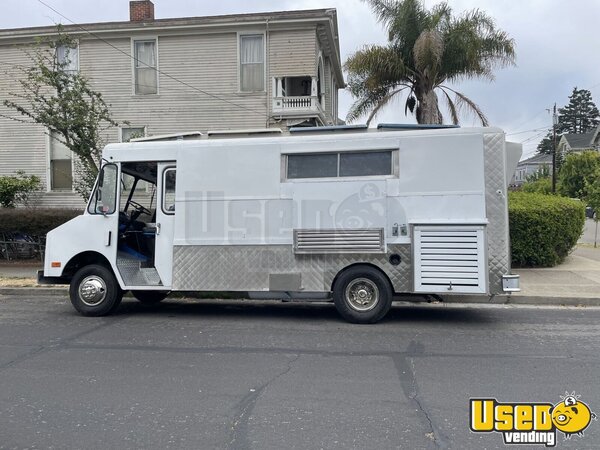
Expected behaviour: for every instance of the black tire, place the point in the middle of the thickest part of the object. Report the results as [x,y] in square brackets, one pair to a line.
[94,291]
[362,294]
[150,297]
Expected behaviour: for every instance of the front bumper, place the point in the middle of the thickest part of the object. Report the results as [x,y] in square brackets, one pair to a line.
[41,279]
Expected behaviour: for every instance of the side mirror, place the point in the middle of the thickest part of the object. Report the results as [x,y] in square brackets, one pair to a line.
[101,178]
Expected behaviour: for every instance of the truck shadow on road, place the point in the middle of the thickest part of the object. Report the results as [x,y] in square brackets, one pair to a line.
[299,312]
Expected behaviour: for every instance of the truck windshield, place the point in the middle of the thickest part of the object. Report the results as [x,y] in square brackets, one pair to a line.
[104,198]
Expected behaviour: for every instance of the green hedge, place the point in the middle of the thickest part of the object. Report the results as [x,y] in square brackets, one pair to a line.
[543,228]
[34,221]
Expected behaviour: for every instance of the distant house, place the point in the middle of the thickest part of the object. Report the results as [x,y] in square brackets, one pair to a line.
[530,166]
[579,142]
[163,76]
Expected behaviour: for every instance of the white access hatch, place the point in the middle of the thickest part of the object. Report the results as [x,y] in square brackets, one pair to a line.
[450,259]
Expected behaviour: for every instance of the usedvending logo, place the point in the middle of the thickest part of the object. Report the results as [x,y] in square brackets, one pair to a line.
[531,423]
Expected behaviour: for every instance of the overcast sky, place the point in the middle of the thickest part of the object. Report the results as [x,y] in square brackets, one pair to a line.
[557,47]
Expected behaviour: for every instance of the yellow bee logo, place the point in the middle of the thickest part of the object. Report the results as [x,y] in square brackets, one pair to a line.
[571,415]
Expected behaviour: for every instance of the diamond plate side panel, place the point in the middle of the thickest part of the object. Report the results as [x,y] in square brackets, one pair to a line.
[496,210]
[133,275]
[247,268]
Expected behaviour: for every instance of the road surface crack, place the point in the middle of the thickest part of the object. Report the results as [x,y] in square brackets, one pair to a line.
[239,426]
[405,367]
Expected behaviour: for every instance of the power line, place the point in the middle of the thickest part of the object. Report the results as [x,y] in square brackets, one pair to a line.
[527,131]
[531,138]
[147,65]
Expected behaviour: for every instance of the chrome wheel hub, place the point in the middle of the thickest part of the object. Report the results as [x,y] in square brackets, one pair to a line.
[92,290]
[362,294]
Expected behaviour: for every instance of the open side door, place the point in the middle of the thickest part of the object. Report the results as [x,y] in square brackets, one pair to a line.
[165,221]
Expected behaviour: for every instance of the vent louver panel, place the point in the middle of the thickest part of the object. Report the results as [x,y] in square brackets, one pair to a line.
[339,241]
[449,259]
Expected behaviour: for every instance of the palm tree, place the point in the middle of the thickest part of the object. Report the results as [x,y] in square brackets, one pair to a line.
[427,49]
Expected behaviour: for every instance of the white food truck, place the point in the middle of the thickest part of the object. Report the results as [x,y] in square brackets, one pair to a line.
[348,214]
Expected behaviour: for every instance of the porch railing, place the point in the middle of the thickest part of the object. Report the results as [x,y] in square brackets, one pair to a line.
[295,104]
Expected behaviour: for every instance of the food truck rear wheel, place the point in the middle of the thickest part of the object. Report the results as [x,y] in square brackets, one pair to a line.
[362,294]
[150,297]
[94,291]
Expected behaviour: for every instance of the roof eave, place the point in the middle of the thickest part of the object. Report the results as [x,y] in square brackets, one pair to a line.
[316,15]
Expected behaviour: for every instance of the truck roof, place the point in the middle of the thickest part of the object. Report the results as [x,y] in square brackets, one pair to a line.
[167,150]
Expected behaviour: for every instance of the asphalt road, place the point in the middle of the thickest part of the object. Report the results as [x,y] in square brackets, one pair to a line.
[237,375]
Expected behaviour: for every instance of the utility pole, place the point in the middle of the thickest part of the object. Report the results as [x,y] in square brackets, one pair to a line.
[554,124]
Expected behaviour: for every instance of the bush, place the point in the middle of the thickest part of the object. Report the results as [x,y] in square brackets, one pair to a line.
[543,228]
[17,189]
[36,222]
[540,186]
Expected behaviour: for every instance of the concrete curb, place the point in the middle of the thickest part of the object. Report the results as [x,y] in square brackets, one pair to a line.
[525,300]
[34,291]
[470,299]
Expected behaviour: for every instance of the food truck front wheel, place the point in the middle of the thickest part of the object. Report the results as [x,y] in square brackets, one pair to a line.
[94,291]
[362,294]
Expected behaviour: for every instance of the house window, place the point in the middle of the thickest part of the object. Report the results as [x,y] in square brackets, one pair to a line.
[61,168]
[145,67]
[67,59]
[130,133]
[347,164]
[252,66]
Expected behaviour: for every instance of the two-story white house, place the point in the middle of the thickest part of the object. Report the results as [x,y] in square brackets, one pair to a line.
[163,76]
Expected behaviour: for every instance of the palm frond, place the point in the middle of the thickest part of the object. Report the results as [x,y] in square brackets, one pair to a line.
[474,47]
[383,102]
[463,102]
[384,10]
[440,14]
[409,21]
[364,104]
[384,60]
[451,108]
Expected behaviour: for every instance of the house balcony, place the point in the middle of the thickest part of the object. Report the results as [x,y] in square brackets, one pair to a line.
[286,106]
[299,98]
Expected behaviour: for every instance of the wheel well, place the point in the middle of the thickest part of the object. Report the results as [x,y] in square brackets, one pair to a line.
[84,259]
[363,265]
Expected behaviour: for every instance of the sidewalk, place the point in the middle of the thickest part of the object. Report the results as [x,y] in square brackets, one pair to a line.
[20,269]
[575,282]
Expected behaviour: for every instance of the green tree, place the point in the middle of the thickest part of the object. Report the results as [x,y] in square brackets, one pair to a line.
[578,172]
[426,50]
[593,191]
[546,145]
[63,102]
[593,200]
[580,115]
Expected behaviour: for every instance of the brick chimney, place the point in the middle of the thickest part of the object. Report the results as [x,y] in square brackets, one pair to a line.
[141,11]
